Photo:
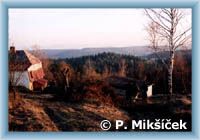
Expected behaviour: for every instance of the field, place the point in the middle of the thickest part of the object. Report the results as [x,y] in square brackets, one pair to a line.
[50,112]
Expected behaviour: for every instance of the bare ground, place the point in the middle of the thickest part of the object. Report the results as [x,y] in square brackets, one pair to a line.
[36,112]
[42,112]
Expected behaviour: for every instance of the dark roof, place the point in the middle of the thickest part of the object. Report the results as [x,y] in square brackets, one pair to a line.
[21,60]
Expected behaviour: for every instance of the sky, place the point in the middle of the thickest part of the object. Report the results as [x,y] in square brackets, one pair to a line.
[79,28]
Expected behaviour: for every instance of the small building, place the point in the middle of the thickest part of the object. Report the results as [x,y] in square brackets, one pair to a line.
[149,90]
[25,70]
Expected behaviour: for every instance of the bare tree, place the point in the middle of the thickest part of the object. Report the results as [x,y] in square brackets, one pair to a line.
[63,74]
[106,73]
[122,68]
[67,72]
[165,34]
[46,62]
[90,72]
[16,70]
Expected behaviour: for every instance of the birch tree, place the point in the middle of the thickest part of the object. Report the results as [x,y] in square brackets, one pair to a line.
[166,35]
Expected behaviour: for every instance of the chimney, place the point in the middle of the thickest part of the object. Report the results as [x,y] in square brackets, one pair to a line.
[12,49]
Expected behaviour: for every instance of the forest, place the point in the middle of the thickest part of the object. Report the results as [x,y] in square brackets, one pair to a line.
[104,65]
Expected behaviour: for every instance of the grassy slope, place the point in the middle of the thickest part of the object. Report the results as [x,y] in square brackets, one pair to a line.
[25,115]
[34,112]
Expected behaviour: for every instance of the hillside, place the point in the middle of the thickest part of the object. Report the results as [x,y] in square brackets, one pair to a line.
[71,53]
[84,111]
[102,87]
[165,54]
[36,112]
[43,113]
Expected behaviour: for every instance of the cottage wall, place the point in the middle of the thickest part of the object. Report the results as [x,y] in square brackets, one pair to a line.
[22,79]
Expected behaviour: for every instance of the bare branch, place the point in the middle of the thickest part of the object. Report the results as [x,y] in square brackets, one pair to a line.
[183,42]
[162,26]
[178,37]
[160,16]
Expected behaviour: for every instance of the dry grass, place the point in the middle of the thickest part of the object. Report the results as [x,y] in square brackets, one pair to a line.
[31,113]
[109,113]
[42,112]
[27,116]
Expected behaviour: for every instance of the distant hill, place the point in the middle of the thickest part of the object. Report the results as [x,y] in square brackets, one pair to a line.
[72,53]
[165,54]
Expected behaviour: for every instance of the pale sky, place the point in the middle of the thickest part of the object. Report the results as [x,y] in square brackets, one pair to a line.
[79,28]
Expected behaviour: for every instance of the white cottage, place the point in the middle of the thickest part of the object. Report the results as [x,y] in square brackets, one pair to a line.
[26,70]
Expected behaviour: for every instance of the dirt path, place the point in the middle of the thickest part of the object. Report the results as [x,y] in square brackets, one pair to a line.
[68,116]
[28,116]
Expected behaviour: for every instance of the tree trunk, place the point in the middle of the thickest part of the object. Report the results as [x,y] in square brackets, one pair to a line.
[170,73]
[67,81]
[66,84]
[13,91]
